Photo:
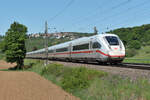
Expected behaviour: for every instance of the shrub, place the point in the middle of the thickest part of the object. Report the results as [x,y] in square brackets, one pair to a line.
[135,44]
[76,79]
[131,52]
[79,78]
[55,69]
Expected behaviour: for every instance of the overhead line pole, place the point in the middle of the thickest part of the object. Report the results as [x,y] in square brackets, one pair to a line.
[46,43]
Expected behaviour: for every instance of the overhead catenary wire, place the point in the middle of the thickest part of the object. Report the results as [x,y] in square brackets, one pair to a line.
[62,10]
[90,17]
[93,11]
[126,21]
[116,14]
[120,13]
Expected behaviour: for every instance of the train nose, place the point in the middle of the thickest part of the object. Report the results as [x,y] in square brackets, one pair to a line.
[116,57]
[116,54]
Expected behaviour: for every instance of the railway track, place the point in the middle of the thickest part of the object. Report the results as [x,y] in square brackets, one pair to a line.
[141,66]
[125,65]
[125,70]
[137,64]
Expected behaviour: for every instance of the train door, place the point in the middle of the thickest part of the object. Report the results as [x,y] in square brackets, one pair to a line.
[91,55]
[96,46]
[70,50]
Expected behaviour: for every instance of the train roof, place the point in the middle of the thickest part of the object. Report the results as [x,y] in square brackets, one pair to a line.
[73,42]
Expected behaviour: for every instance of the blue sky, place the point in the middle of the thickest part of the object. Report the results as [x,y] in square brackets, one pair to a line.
[74,15]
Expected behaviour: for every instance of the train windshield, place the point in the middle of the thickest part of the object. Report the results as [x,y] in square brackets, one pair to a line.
[112,40]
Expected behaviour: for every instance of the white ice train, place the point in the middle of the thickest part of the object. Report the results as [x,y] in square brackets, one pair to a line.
[102,48]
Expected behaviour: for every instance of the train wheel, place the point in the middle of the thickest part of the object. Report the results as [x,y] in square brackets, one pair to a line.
[102,63]
[85,61]
[74,61]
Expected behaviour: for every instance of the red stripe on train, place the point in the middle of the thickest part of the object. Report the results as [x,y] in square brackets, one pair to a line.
[98,51]
[102,53]
[81,52]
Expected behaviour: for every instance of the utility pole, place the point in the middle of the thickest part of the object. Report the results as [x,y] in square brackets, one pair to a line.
[46,43]
[95,30]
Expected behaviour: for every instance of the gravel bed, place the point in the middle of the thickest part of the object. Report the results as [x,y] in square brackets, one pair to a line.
[124,72]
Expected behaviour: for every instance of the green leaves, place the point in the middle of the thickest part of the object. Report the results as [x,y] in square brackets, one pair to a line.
[14,43]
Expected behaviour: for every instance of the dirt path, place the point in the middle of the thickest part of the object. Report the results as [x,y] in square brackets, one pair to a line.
[5,65]
[28,86]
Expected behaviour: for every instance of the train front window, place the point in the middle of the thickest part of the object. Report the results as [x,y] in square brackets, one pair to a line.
[112,40]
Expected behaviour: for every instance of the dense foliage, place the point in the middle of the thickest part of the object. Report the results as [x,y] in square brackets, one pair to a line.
[1,38]
[14,44]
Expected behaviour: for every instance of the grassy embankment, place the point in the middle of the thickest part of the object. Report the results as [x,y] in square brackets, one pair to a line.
[91,84]
[141,56]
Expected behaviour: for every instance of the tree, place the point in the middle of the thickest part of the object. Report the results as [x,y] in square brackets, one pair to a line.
[95,30]
[135,44]
[14,44]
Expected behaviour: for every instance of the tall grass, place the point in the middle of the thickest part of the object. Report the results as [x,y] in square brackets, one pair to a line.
[115,88]
[34,65]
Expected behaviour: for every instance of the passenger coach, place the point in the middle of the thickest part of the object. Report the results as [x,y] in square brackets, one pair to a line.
[103,48]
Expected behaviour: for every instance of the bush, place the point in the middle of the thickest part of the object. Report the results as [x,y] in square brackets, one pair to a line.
[76,79]
[135,44]
[131,52]
[54,69]
[79,78]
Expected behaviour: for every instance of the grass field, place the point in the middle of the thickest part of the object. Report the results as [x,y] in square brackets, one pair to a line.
[91,84]
[142,56]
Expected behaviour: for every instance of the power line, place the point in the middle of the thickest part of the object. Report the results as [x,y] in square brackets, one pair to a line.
[61,11]
[90,12]
[107,10]
[119,13]
[125,22]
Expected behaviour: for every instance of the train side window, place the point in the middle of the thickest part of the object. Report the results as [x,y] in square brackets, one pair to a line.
[96,45]
[81,47]
[62,50]
[50,51]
